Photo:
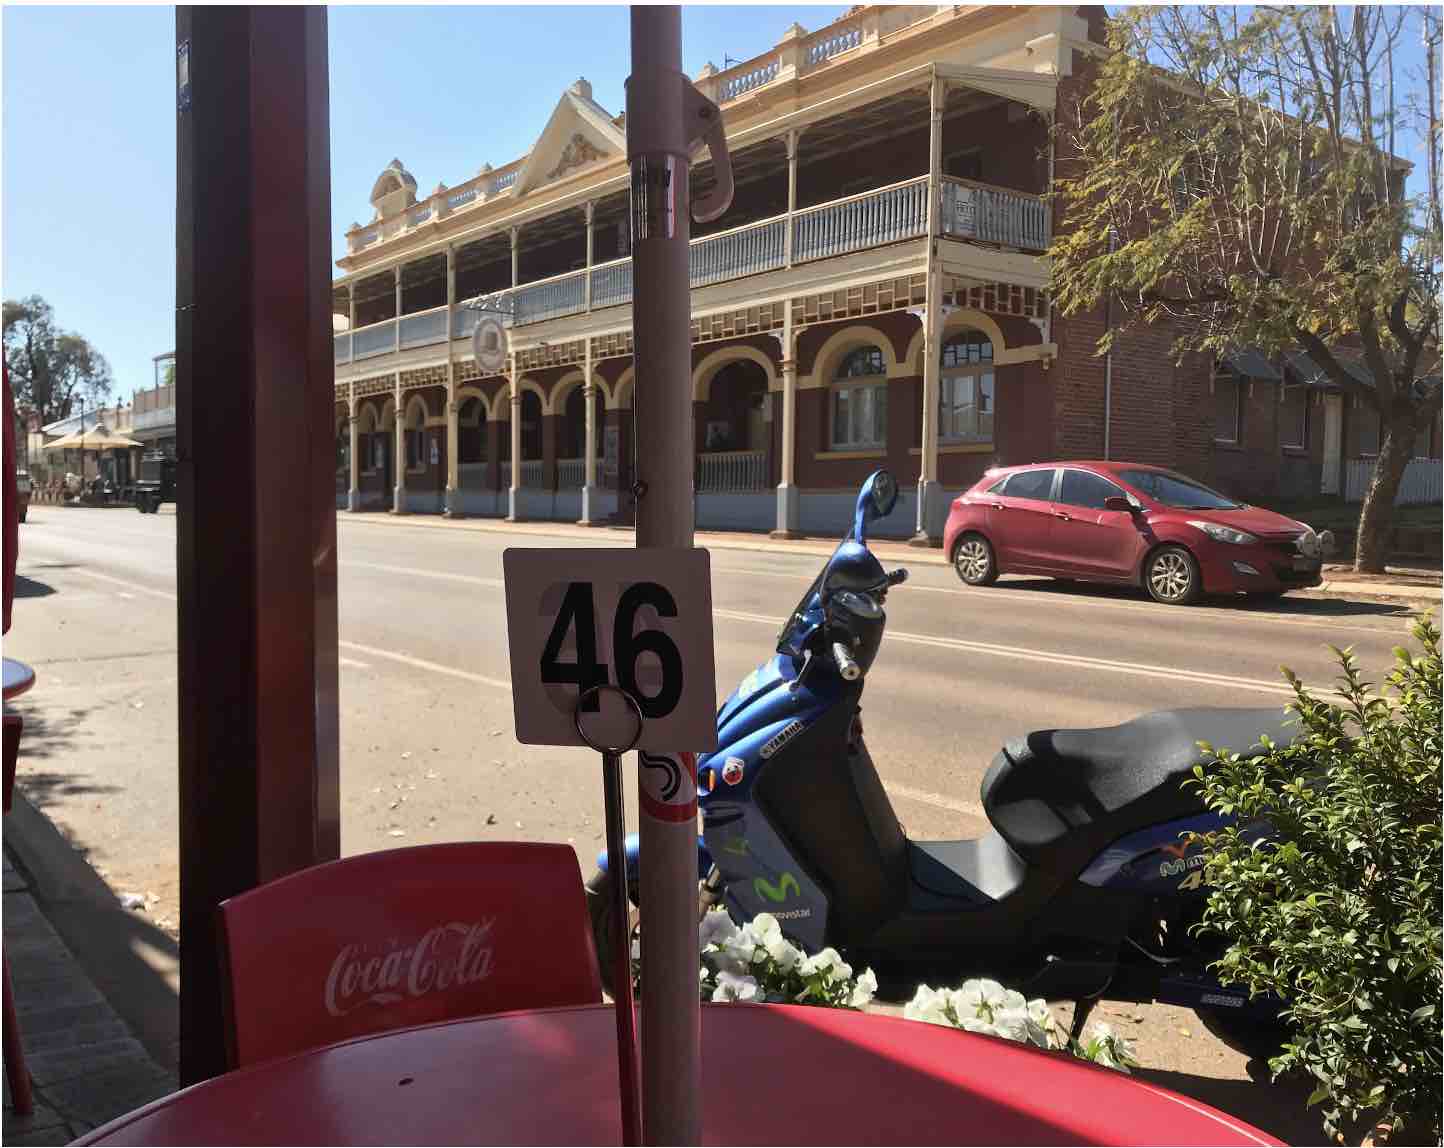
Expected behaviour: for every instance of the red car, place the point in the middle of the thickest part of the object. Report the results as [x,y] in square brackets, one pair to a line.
[1128,524]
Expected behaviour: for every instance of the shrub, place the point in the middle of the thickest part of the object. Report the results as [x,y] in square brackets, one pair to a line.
[1339,914]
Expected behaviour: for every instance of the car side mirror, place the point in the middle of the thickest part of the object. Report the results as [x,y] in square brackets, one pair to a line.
[1118,502]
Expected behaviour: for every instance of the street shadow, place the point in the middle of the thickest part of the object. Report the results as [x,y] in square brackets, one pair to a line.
[1286,606]
[1279,1108]
[30,588]
[131,960]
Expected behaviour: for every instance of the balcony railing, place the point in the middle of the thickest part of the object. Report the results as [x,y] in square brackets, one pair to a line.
[424,328]
[144,420]
[531,472]
[741,251]
[891,214]
[732,470]
[860,221]
[612,284]
[377,339]
[571,473]
[994,215]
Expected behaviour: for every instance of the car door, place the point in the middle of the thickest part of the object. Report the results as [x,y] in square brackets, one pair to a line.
[1086,539]
[1020,518]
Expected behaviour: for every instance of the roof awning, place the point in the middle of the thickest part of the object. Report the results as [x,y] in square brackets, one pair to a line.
[1252,365]
[1311,374]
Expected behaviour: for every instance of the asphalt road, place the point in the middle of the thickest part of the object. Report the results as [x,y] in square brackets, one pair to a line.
[427,752]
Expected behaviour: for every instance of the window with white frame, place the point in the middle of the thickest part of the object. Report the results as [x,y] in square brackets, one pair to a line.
[1227,409]
[859,400]
[1294,417]
[965,389]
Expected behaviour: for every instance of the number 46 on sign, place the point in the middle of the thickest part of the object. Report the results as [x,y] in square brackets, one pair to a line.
[637,619]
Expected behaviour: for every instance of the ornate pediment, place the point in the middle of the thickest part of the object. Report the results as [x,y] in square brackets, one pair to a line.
[579,132]
[578,152]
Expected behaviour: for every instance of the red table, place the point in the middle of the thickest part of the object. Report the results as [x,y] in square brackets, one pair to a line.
[772,1075]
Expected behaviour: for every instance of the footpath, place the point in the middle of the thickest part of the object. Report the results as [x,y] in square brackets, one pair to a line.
[78,960]
[1417,584]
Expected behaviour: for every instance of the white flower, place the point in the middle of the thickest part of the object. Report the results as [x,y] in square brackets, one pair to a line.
[736,952]
[1042,1027]
[636,950]
[828,962]
[717,926]
[783,953]
[764,928]
[862,992]
[1011,1023]
[731,987]
[929,1005]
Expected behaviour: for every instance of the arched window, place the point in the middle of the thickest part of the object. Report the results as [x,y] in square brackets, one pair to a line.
[471,431]
[965,389]
[415,437]
[859,400]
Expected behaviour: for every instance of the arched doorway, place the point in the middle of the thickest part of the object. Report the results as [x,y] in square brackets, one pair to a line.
[471,444]
[734,429]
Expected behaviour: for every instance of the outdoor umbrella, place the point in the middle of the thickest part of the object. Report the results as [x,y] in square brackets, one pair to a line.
[97,438]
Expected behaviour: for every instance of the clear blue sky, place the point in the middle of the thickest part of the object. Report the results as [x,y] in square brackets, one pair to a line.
[89,131]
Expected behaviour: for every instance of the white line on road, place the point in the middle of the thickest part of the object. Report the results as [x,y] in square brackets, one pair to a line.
[1057,658]
[952,804]
[354,664]
[416,572]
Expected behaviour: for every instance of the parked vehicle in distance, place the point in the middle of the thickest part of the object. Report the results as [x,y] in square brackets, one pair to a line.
[1128,524]
[156,483]
[23,487]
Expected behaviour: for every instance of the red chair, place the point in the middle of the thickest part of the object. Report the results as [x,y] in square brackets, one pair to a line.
[404,937]
[16,1073]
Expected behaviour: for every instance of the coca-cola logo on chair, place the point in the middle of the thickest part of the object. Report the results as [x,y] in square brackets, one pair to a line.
[446,956]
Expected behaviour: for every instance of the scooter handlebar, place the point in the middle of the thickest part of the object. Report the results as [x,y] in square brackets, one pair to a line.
[849,670]
[897,577]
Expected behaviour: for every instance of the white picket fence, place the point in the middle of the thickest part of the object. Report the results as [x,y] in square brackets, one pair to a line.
[1423,481]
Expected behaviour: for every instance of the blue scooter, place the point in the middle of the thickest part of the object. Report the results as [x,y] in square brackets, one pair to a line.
[1082,889]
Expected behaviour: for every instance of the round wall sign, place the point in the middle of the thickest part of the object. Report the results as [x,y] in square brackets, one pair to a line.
[488,344]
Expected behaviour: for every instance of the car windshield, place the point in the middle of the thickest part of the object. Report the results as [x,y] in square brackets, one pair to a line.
[1177,491]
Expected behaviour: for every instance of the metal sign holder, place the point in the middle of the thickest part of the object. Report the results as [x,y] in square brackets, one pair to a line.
[628,1067]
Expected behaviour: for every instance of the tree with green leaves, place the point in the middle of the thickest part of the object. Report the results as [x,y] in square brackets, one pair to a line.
[1236,173]
[51,370]
[1339,916]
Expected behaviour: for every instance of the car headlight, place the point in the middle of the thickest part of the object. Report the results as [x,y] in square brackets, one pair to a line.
[1224,533]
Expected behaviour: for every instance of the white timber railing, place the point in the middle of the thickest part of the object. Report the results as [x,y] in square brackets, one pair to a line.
[571,473]
[994,215]
[424,327]
[872,219]
[377,339]
[1423,481]
[730,470]
[892,214]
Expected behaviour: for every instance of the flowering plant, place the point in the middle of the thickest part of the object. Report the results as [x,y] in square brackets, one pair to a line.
[757,963]
[987,1007]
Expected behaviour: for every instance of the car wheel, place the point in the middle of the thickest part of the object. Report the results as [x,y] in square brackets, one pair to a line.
[974,561]
[1172,576]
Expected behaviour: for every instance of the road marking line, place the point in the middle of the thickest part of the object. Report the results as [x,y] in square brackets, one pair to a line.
[354,664]
[1058,658]
[971,808]
[416,572]
[434,667]
[1211,613]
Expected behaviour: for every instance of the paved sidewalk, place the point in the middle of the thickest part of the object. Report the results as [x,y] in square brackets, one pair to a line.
[1414,585]
[86,1065]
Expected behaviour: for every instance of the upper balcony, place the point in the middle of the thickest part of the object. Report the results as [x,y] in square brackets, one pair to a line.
[859,184]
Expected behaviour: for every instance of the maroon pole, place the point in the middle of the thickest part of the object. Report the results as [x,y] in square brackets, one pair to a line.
[256,533]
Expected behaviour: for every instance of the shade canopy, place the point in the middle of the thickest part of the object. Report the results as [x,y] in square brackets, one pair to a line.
[98,437]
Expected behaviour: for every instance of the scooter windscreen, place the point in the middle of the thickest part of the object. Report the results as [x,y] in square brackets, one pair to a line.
[807,613]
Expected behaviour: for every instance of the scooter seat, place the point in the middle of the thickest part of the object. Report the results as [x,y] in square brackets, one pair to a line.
[1059,797]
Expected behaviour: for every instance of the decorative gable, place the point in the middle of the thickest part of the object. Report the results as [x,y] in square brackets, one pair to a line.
[579,132]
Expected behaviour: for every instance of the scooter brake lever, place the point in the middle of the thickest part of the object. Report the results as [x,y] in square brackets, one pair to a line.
[796,683]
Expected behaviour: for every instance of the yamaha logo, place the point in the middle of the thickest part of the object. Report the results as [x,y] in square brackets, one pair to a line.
[782,737]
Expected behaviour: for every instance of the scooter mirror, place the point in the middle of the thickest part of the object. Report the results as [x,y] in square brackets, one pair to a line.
[875,500]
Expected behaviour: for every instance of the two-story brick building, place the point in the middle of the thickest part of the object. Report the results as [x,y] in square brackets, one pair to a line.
[874,296]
